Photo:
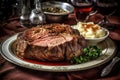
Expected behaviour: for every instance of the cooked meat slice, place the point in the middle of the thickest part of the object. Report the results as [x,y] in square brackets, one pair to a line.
[52,42]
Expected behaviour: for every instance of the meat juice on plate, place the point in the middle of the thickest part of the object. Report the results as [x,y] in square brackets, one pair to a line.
[82,8]
[48,63]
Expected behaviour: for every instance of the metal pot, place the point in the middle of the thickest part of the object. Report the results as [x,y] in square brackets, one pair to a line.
[57,17]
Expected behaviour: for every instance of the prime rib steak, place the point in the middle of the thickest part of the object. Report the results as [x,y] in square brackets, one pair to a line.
[51,42]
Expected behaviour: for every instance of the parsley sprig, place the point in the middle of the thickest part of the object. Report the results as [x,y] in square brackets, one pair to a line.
[90,53]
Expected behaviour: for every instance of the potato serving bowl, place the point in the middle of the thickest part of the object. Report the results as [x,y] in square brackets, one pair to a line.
[95,41]
[93,33]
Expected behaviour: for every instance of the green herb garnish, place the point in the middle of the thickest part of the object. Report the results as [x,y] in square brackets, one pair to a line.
[90,53]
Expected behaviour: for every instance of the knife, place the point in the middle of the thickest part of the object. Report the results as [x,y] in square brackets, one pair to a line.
[109,67]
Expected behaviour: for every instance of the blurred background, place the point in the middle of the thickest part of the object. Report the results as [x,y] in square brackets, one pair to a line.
[12,8]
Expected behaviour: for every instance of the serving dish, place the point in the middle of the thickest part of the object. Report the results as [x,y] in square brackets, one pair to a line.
[54,16]
[94,41]
[93,33]
[108,51]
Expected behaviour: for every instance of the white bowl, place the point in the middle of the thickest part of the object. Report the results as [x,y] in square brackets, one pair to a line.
[95,41]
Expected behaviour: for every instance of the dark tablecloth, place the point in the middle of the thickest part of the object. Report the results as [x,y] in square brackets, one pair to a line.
[9,71]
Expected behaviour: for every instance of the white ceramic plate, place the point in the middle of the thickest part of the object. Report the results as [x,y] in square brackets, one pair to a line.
[108,51]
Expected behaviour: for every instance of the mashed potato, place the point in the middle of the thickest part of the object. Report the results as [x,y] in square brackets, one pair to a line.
[90,30]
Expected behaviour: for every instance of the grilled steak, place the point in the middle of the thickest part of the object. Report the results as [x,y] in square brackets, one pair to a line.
[52,42]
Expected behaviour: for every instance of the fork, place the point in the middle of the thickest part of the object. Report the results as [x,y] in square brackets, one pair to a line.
[110,66]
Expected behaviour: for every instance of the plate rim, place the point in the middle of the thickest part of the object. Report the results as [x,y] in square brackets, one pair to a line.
[6,52]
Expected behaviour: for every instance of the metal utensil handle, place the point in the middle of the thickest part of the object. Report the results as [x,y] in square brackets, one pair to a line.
[109,67]
[38,5]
